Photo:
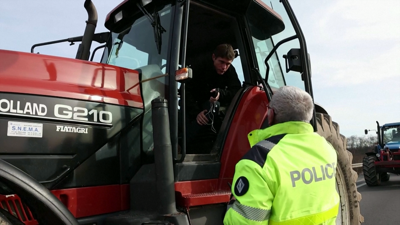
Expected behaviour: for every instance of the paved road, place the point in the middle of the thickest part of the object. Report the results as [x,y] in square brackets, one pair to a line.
[381,204]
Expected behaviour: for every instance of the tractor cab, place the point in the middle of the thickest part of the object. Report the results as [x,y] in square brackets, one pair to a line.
[159,38]
[390,136]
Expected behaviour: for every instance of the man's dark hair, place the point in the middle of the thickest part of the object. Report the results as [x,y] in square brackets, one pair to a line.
[224,51]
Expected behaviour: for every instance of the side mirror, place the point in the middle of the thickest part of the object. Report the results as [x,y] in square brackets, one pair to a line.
[292,60]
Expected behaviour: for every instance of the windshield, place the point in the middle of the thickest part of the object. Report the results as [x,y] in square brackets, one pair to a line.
[142,44]
[391,134]
[263,42]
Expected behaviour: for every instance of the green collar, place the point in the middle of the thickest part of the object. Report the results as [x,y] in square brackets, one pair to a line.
[291,127]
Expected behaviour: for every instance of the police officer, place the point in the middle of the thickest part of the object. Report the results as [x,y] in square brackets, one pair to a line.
[288,176]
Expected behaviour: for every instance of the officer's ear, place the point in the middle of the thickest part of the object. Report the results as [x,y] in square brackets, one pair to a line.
[271,116]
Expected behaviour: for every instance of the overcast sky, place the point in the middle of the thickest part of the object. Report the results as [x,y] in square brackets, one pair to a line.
[354,47]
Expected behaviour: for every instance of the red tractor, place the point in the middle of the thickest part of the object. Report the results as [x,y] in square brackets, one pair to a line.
[97,142]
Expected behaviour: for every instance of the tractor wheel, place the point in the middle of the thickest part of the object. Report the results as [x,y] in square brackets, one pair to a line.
[385,177]
[370,175]
[46,207]
[346,177]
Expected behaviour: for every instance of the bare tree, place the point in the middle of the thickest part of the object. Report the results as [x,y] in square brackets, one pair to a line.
[352,142]
[358,146]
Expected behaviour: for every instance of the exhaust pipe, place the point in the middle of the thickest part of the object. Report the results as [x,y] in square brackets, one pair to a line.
[163,157]
[84,47]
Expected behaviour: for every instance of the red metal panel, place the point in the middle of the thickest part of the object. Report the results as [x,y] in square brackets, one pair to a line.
[18,214]
[13,204]
[196,186]
[203,199]
[82,202]
[389,164]
[24,215]
[387,159]
[90,201]
[200,192]
[69,78]
[250,114]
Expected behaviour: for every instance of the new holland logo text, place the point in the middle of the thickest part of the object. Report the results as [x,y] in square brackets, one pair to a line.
[22,108]
[58,111]
[68,129]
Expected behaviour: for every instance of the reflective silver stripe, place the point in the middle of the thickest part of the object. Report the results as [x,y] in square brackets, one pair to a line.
[251,213]
[266,144]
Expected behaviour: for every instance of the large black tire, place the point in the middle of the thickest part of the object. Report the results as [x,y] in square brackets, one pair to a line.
[346,177]
[44,205]
[370,175]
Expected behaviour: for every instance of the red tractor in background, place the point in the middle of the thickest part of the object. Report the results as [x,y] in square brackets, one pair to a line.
[97,142]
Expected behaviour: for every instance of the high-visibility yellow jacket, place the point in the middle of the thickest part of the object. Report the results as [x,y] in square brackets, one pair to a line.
[286,178]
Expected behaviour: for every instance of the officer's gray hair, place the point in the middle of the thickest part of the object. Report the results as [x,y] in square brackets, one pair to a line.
[292,104]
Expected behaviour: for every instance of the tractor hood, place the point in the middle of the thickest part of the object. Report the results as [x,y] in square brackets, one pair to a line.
[394,146]
[28,73]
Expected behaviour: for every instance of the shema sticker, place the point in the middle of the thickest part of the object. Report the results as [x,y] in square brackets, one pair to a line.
[21,129]
[241,186]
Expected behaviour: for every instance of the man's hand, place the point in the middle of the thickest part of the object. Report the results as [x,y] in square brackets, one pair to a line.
[216,98]
[202,118]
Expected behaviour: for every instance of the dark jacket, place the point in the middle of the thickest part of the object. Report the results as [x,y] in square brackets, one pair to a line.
[205,78]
